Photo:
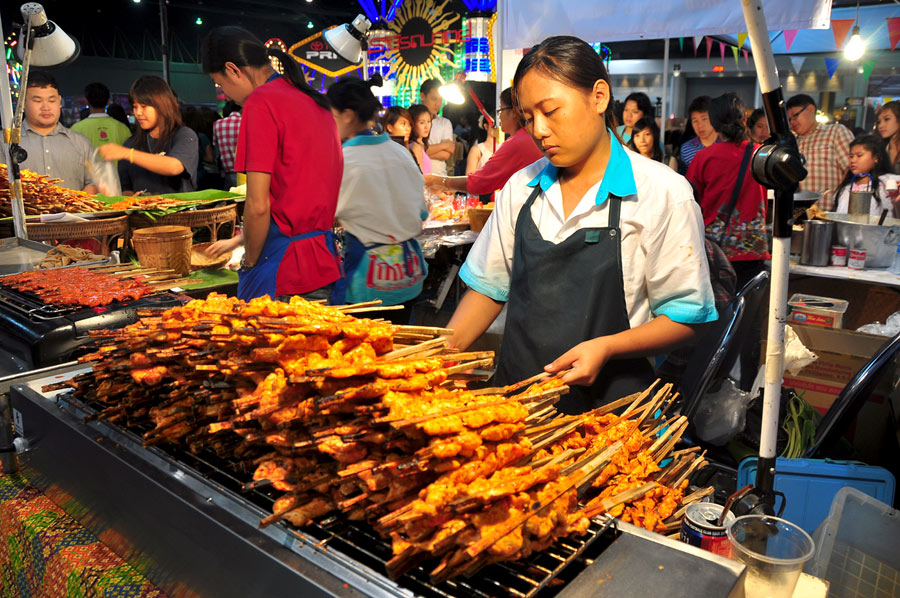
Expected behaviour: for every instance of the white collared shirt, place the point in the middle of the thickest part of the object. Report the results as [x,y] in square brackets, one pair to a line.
[664,266]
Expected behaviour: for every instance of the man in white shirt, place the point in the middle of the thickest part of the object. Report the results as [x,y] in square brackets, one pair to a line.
[440,142]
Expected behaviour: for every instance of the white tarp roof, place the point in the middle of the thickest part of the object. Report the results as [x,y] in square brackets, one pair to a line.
[527,22]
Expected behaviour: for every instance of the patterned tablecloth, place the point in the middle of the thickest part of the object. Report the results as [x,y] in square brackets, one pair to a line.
[45,553]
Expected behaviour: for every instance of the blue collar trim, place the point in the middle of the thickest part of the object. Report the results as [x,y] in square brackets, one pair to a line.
[367,138]
[618,179]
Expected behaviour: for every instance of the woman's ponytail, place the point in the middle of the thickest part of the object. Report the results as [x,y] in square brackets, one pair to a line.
[294,74]
[243,49]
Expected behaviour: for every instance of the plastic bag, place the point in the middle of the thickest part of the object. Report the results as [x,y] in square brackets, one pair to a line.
[722,414]
[889,328]
[105,175]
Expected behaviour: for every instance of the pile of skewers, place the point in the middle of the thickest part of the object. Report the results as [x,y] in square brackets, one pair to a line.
[152,202]
[92,287]
[367,418]
[42,195]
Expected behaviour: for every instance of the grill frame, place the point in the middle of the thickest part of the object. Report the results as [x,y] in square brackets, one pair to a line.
[345,540]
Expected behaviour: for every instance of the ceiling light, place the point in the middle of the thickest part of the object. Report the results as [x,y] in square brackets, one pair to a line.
[310,25]
[199,21]
[452,93]
[856,47]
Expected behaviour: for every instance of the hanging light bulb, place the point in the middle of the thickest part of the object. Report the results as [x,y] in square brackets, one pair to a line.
[310,25]
[856,47]
[199,21]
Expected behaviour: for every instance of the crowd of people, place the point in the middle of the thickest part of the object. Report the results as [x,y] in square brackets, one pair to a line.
[567,170]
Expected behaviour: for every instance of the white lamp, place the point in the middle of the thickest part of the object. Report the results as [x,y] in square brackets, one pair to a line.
[856,47]
[347,40]
[42,44]
[52,47]
[452,93]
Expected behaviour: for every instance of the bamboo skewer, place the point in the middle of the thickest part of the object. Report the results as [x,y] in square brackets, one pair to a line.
[413,350]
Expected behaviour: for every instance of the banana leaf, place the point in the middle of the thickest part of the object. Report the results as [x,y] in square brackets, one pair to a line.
[197,199]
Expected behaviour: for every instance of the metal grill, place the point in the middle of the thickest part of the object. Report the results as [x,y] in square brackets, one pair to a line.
[541,575]
[32,307]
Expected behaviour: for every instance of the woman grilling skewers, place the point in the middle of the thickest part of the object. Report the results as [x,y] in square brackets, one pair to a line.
[598,251]
[289,148]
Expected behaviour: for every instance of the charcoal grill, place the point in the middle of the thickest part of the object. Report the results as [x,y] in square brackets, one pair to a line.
[35,334]
[187,515]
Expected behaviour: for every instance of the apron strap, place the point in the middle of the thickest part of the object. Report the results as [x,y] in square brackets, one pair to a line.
[615,205]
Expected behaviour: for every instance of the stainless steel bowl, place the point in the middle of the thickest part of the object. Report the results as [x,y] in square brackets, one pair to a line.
[879,242]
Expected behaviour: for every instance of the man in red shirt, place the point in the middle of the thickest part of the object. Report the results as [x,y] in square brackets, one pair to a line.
[516,153]
[289,147]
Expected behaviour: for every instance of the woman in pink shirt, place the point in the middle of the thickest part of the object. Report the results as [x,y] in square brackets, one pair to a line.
[516,153]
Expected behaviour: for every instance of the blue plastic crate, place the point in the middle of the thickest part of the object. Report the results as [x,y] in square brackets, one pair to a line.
[811,484]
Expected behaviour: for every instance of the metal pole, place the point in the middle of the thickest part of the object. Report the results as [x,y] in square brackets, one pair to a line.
[12,133]
[770,87]
[498,60]
[164,30]
[662,124]
[8,461]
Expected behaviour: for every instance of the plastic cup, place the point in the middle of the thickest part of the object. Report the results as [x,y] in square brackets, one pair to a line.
[774,551]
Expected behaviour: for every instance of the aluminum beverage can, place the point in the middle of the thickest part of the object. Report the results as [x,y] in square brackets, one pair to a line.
[698,528]
[838,255]
[857,260]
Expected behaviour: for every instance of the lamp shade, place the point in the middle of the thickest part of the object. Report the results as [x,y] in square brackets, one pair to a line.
[347,39]
[52,46]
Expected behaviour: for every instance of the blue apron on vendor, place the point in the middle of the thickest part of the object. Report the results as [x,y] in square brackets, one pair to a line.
[262,278]
[381,207]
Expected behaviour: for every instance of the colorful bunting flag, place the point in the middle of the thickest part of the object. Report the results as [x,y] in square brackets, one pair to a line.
[681,44]
[868,66]
[742,37]
[831,64]
[789,35]
[840,28]
[797,63]
[746,56]
[894,31]
[697,40]
[734,50]
[722,50]
[709,43]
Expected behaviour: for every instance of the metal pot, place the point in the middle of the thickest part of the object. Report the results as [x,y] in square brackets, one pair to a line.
[817,235]
[879,242]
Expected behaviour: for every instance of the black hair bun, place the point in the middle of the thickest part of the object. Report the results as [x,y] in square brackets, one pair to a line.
[376,80]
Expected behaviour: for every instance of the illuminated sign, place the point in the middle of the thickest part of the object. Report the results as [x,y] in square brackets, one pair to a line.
[719,68]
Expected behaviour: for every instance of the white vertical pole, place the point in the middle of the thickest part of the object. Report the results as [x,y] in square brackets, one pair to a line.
[665,76]
[15,186]
[498,60]
[767,73]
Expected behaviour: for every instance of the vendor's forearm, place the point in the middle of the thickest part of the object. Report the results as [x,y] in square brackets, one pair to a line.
[658,336]
[457,183]
[163,165]
[472,317]
[256,215]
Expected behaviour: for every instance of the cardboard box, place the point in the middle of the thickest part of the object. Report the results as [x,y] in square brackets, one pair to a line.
[829,317]
[842,353]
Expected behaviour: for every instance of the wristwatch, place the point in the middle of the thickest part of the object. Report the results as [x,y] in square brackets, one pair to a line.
[244,266]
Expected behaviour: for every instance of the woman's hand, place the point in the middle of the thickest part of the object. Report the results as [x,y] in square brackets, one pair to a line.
[585,360]
[224,246]
[114,151]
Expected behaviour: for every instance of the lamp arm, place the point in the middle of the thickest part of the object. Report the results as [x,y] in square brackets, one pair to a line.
[479,105]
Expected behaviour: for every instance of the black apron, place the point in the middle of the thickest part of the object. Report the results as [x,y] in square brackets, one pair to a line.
[561,295]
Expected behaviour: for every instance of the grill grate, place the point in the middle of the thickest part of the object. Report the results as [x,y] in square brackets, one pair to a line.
[32,307]
[541,575]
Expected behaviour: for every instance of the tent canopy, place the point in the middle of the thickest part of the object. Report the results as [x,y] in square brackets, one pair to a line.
[527,22]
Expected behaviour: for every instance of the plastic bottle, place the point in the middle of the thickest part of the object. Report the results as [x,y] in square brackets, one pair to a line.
[895,265]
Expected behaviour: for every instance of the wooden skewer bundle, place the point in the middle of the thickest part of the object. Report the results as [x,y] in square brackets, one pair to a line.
[322,410]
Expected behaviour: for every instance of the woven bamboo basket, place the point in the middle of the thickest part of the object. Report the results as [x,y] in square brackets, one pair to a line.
[200,261]
[104,230]
[477,218]
[164,247]
[211,218]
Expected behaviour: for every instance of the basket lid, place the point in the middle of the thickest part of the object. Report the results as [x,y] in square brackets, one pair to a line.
[167,231]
